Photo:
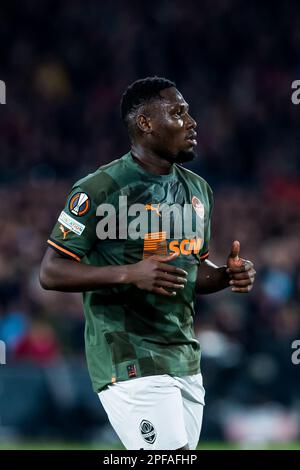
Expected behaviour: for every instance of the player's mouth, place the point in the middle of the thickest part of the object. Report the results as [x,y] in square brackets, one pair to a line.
[191,138]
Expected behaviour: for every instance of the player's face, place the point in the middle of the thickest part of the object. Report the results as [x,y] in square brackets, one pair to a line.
[173,129]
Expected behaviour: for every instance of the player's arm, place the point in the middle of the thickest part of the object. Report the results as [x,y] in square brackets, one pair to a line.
[75,234]
[153,274]
[238,274]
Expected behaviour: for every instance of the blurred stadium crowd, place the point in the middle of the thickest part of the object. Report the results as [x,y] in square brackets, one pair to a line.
[66,64]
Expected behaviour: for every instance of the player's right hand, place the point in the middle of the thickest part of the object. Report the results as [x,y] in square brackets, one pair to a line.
[155,275]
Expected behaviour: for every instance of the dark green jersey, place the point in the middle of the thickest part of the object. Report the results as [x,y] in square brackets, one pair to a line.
[130,332]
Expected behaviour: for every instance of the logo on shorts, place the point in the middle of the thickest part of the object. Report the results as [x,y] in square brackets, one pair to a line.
[148,431]
[131,370]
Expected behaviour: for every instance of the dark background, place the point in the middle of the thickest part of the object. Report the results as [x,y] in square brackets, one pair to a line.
[66,65]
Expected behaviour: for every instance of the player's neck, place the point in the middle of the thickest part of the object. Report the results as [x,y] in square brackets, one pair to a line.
[150,161]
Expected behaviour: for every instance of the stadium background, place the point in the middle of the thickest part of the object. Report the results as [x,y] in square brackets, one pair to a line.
[66,64]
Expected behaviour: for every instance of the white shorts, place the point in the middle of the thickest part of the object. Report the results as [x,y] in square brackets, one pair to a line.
[158,412]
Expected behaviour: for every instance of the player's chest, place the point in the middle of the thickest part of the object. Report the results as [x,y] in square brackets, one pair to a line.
[161,217]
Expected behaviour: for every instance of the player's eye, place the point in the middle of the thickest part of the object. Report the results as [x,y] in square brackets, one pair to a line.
[179,112]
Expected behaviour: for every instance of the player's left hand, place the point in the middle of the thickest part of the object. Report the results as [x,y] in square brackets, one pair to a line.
[241,272]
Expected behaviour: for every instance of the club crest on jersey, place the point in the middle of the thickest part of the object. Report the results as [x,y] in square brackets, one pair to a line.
[79,204]
[198,206]
[148,431]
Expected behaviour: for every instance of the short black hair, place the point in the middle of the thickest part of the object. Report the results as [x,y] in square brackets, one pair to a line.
[140,92]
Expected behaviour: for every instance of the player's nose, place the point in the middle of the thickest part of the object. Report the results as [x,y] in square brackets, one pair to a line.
[191,123]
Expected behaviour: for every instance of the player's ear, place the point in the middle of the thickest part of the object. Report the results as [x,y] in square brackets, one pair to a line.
[144,123]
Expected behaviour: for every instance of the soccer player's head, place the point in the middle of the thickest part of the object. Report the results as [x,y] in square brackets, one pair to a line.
[157,118]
